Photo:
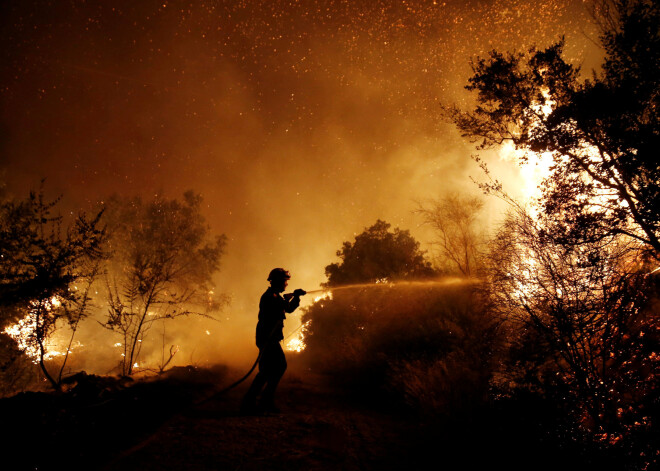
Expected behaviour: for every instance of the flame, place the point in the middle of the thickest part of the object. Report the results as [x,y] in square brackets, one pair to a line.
[535,167]
[24,332]
[323,296]
[533,170]
[297,343]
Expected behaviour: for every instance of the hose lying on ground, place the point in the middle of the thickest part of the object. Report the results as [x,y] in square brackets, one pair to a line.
[231,386]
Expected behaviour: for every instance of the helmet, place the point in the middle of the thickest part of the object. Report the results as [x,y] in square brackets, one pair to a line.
[278,274]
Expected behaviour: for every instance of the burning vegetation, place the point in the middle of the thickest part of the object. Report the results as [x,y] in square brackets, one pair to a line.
[147,264]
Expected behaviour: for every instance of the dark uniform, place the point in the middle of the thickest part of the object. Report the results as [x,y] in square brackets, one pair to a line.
[272,363]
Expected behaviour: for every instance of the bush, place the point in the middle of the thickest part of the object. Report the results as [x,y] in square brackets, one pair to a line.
[429,347]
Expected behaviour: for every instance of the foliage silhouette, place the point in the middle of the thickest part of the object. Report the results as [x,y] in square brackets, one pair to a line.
[576,282]
[39,266]
[602,133]
[378,254]
[584,326]
[399,342]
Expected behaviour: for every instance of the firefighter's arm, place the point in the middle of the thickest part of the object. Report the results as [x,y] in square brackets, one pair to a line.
[293,299]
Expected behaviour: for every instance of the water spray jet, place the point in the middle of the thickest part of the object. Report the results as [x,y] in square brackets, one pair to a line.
[394,284]
[387,284]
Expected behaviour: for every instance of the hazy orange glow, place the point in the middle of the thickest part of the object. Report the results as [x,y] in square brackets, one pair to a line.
[300,123]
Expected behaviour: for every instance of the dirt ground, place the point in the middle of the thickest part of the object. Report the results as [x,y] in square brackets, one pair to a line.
[316,429]
[177,421]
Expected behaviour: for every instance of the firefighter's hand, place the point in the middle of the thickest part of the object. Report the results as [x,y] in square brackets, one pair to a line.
[299,292]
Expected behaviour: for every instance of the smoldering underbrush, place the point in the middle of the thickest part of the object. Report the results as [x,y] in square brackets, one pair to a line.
[429,348]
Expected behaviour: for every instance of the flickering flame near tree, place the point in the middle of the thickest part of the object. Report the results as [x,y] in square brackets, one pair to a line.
[537,167]
[322,296]
[533,170]
[297,343]
[24,332]
[534,167]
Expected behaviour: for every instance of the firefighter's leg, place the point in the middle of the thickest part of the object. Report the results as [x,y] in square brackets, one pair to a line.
[276,368]
[249,403]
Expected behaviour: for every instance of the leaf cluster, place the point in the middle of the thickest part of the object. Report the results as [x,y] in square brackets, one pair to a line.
[39,259]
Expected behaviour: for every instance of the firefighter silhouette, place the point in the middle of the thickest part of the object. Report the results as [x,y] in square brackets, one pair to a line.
[273,307]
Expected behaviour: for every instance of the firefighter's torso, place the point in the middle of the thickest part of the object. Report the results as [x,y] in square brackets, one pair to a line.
[272,312]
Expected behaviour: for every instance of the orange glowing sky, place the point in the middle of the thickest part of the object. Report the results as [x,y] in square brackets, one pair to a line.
[300,122]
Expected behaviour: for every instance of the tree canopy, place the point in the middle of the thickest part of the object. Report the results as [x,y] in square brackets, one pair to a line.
[379,253]
[603,133]
[39,258]
[568,280]
[455,219]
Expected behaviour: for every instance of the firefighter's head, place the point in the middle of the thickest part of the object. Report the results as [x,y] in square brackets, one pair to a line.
[279,278]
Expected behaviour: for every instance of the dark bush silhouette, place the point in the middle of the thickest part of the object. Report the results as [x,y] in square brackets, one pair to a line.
[577,283]
[432,348]
[428,346]
[378,254]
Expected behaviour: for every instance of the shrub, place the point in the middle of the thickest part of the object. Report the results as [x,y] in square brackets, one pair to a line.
[429,347]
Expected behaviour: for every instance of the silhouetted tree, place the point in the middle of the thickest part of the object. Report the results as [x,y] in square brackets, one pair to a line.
[456,221]
[593,321]
[164,258]
[602,133]
[576,279]
[40,261]
[377,254]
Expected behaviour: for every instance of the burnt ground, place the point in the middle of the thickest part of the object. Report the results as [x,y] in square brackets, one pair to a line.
[176,422]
